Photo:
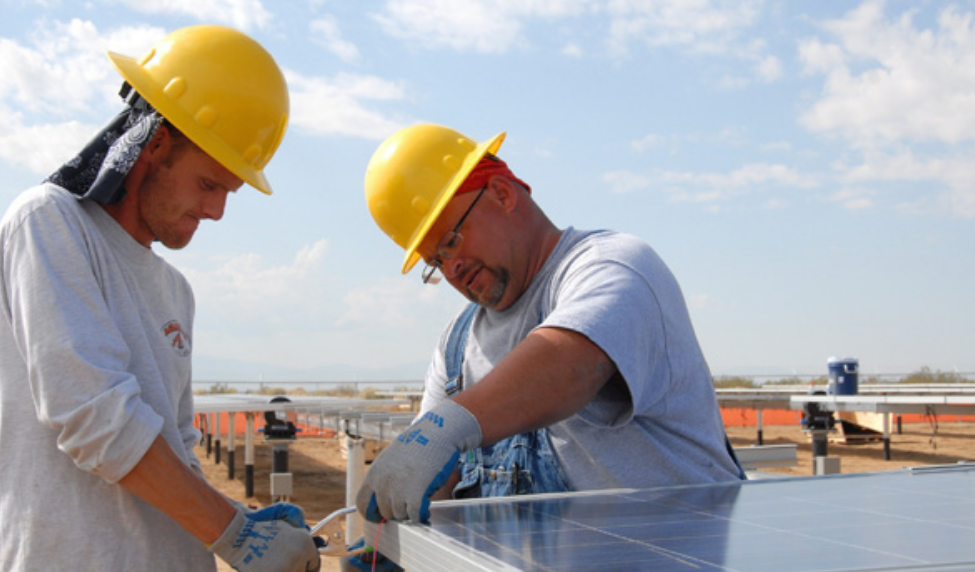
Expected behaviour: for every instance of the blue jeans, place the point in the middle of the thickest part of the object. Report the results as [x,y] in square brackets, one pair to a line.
[521,465]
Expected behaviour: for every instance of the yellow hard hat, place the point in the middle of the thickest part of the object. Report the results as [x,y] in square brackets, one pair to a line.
[221,89]
[414,174]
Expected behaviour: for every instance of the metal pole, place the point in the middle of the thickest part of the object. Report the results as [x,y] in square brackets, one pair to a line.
[231,434]
[209,434]
[355,472]
[216,443]
[249,456]
[820,443]
[758,421]
[886,436]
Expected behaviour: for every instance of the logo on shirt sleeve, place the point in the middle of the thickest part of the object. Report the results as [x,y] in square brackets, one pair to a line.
[178,338]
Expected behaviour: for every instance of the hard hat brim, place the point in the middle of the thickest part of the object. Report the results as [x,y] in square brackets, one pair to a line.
[490,146]
[136,76]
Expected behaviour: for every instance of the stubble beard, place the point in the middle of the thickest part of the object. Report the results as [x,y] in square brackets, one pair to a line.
[493,296]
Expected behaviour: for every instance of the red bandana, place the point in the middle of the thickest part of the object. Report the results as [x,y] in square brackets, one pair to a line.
[482,173]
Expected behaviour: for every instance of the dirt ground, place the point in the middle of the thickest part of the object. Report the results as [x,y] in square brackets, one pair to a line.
[319,469]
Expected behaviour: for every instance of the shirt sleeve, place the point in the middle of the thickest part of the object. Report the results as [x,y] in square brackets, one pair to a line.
[75,355]
[609,295]
[188,431]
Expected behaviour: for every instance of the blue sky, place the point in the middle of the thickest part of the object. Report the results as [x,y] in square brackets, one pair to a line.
[806,169]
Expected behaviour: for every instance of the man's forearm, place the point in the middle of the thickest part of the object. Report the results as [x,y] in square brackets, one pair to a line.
[164,481]
[549,376]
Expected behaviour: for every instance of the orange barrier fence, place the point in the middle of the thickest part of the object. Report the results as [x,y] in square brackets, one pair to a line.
[240,425]
[734,417]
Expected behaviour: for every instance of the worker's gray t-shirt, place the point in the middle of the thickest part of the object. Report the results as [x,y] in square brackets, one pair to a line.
[95,351]
[662,426]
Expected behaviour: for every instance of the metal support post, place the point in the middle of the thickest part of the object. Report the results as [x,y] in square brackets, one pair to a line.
[886,436]
[282,486]
[355,473]
[209,434]
[758,422]
[231,435]
[249,456]
[216,443]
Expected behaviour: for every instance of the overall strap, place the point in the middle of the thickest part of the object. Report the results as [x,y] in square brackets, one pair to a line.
[734,457]
[454,352]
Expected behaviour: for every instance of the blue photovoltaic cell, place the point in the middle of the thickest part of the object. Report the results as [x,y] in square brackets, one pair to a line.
[901,520]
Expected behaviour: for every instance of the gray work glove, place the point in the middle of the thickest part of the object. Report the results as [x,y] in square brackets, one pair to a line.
[410,469]
[249,545]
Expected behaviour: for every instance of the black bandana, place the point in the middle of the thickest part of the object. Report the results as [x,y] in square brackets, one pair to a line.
[97,172]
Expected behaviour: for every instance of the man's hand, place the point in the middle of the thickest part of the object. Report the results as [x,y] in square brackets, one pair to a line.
[405,475]
[292,514]
[267,546]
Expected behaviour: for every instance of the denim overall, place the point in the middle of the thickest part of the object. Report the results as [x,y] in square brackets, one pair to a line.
[519,465]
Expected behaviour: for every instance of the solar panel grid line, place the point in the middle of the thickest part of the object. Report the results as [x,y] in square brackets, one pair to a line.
[895,521]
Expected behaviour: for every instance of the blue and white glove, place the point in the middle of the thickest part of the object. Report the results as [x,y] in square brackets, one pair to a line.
[249,545]
[410,469]
[292,514]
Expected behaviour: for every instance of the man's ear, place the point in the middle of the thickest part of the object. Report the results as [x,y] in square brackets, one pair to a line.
[154,152]
[159,145]
[505,192]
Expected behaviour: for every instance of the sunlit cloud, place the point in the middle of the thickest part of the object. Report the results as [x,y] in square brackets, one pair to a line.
[339,106]
[243,14]
[325,32]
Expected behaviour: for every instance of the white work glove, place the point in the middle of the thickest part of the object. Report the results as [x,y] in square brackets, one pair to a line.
[411,468]
[266,546]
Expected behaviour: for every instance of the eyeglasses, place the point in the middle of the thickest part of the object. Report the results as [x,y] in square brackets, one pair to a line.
[448,245]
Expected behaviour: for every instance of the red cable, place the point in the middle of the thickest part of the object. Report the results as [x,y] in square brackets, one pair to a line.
[375,546]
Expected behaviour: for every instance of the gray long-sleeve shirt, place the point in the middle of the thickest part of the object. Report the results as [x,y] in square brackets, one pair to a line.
[95,363]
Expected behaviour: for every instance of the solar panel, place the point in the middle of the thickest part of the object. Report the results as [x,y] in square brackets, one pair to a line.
[912,519]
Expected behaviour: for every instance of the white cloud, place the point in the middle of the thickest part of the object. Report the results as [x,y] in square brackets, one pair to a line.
[712,188]
[473,25]
[713,27]
[243,14]
[704,25]
[336,107]
[65,69]
[769,68]
[325,32]
[572,51]
[296,314]
[904,97]
[888,81]
[854,198]
[701,27]
[729,136]
[60,88]
[718,187]
[244,287]
[648,141]
[622,182]
[956,171]
[40,148]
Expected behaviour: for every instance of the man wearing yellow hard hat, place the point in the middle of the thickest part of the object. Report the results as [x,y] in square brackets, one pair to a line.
[96,405]
[575,366]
